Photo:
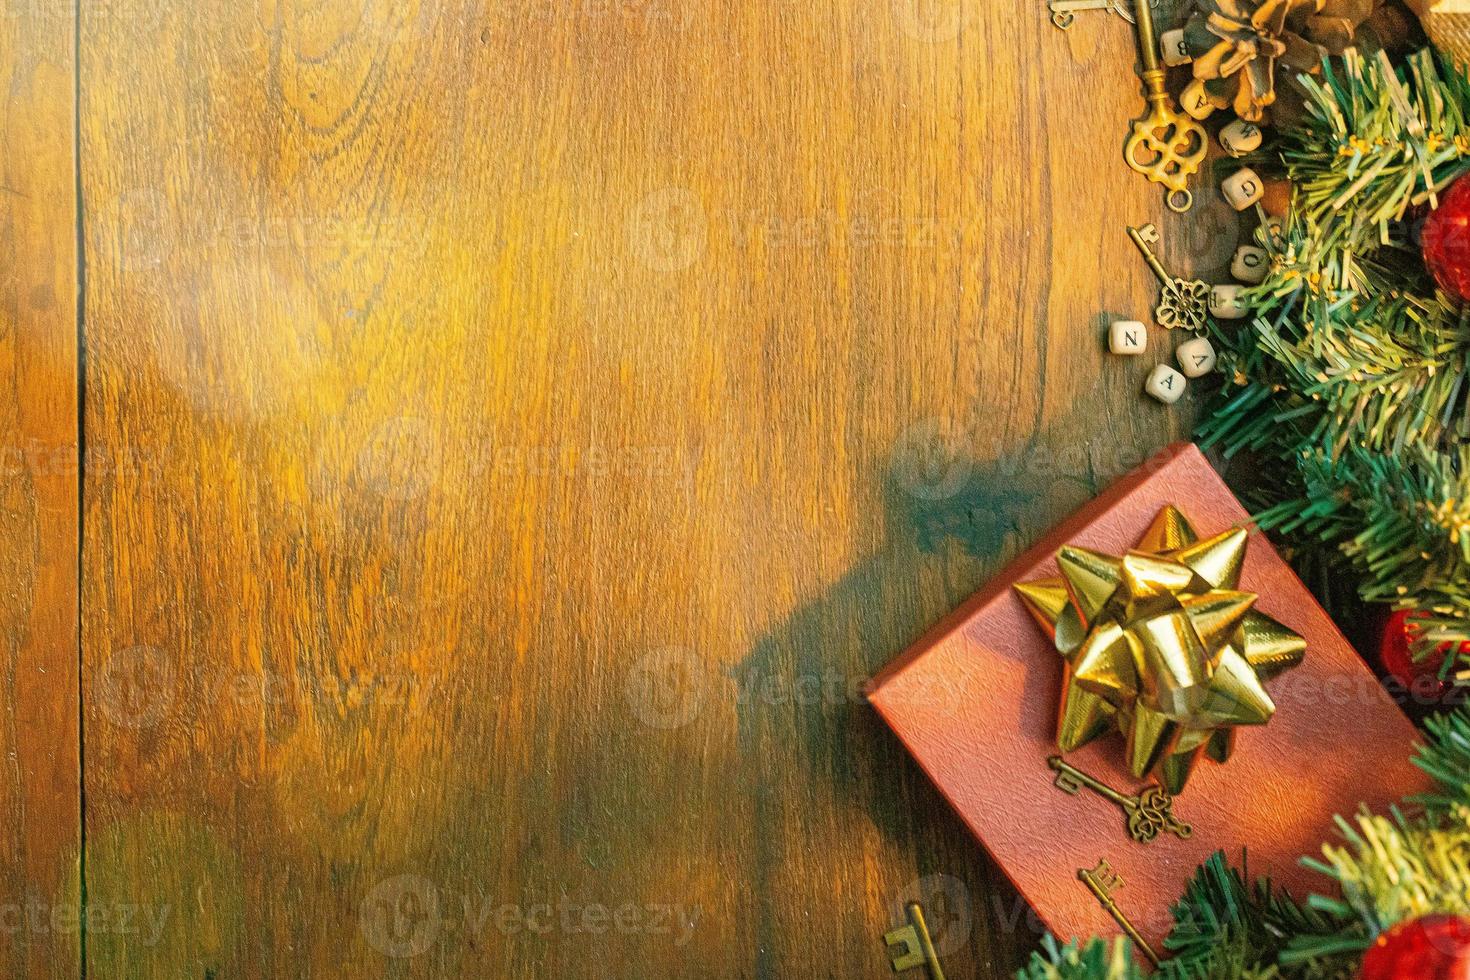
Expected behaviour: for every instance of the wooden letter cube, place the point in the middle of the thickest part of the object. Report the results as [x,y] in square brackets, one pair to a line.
[1165,384]
[1197,100]
[1243,188]
[1240,138]
[1173,48]
[1250,264]
[1225,302]
[1196,357]
[1128,337]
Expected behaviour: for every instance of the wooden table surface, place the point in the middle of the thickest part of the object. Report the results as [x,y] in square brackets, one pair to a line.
[463,458]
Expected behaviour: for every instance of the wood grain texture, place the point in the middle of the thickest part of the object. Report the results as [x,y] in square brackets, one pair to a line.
[40,816]
[540,418]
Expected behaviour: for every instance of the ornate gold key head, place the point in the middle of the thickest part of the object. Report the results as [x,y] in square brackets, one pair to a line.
[1183,306]
[1155,813]
[1166,146]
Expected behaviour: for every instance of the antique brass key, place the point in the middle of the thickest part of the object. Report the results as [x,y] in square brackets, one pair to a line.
[1102,881]
[911,947]
[1150,812]
[1182,302]
[1064,12]
[1166,146]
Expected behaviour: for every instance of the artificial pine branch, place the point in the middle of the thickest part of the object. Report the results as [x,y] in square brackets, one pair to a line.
[1097,960]
[1446,758]
[1354,372]
[1375,142]
[1391,870]
[1225,930]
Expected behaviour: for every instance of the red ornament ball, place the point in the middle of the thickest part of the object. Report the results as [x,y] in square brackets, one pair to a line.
[1436,947]
[1446,240]
[1420,678]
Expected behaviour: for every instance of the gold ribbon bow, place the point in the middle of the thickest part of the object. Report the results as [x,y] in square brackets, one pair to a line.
[1161,645]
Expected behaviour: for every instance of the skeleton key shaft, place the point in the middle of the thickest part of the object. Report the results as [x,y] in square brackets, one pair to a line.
[1148,48]
[1102,881]
[1064,12]
[1069,6]
[1070,777]
[1141,237]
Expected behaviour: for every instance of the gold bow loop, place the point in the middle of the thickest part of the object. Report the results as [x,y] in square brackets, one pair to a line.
[1162,645]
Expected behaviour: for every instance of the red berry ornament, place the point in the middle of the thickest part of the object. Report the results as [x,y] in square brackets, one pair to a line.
[1436,947]
[1446,240]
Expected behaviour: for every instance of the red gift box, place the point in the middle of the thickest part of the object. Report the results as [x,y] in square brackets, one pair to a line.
[976,702]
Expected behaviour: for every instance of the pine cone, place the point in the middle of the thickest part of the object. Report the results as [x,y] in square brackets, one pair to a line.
[1242,48]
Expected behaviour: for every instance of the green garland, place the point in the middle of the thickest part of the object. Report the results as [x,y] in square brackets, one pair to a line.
[1386,870]
[1352,382]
